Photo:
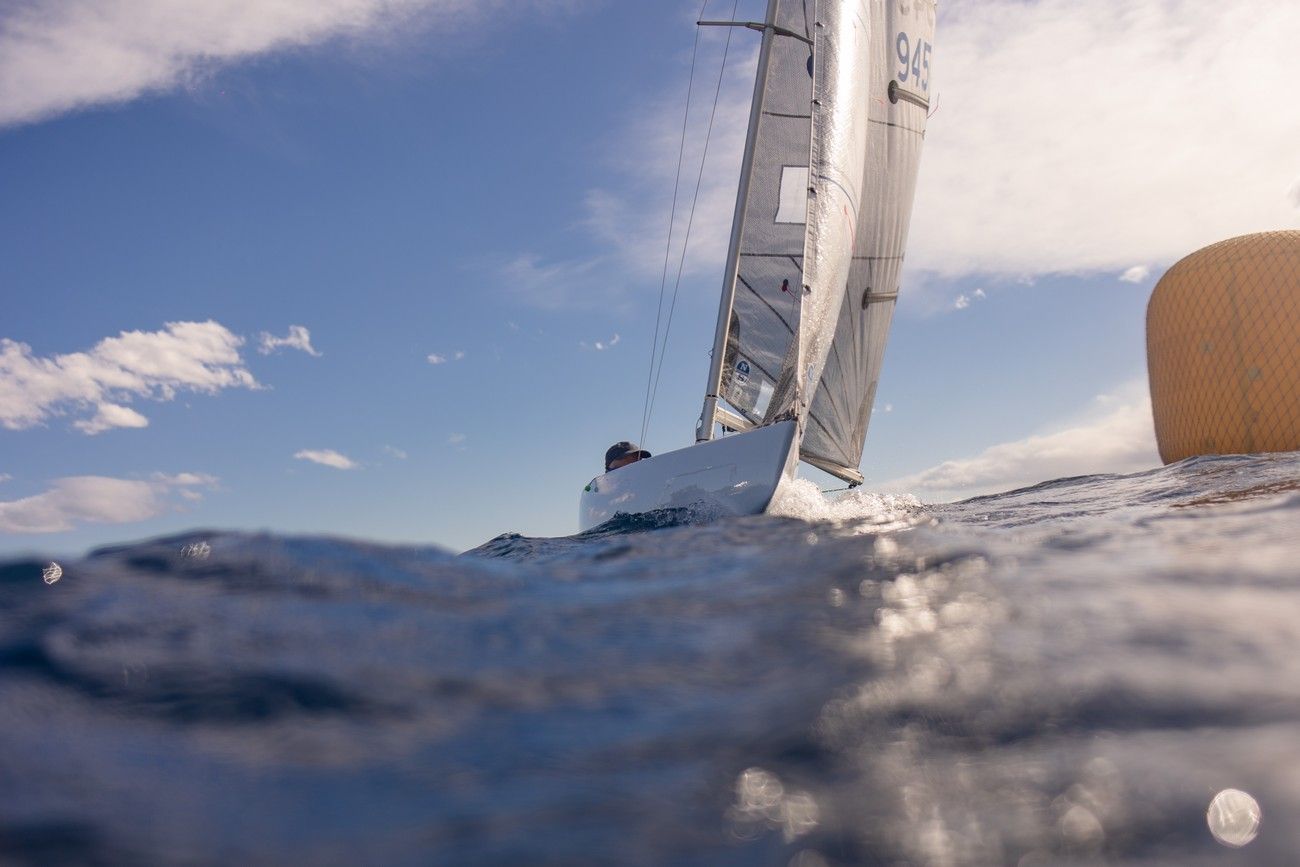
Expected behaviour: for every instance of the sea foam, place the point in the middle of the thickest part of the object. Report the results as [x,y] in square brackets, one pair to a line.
[802,499]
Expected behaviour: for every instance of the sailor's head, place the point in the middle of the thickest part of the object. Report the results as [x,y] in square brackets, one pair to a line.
[622,454]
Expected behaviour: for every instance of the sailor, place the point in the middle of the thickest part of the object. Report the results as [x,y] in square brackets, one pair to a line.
[622,454]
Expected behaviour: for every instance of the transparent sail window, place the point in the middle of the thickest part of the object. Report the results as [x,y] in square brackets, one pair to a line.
[792,204]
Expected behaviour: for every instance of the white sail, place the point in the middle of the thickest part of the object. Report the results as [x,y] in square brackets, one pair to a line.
[768,235]
[841,80]
[821,217]
[901,35]
[821,220]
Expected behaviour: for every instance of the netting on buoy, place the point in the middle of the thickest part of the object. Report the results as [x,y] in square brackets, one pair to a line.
[1223,349]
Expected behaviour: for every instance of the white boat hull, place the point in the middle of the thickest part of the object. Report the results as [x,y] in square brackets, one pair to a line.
[733,475]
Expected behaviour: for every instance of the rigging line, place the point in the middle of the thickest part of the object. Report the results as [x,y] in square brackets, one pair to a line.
[672,219]
[690,220]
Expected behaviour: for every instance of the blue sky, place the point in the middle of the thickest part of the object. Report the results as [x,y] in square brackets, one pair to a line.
[389,270]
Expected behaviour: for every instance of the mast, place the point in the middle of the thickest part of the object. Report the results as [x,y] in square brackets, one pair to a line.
[708,415]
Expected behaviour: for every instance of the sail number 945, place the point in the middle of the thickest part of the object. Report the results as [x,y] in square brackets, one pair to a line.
[914,60]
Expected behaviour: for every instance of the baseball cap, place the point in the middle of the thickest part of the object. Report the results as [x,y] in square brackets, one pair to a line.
[623,450]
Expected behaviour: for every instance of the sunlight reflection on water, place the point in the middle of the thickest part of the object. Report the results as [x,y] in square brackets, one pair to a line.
[762,802]
[1059,675]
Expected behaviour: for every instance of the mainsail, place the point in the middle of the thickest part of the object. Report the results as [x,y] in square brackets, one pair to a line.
[768,232]
[821,220]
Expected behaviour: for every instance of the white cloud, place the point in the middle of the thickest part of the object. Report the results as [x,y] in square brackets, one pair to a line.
[435,358]
[1115,436]
[108,416]
[962,301]
[1136,274]
[557,285]
[1067,137]
[1087,136]
[395,452]
[100,500]
[601,345]
[327,457]
[186,479]
[626,217]
[297,338]
[61,55]
[184,356]
[4,477]
[456,439]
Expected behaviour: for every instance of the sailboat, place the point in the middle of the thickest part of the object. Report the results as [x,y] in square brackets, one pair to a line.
[841,98]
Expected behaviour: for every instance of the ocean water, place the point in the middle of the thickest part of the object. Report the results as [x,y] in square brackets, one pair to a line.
[1094,670]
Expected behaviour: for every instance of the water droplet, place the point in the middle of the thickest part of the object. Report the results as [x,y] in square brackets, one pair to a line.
[1233,817]
[52,573]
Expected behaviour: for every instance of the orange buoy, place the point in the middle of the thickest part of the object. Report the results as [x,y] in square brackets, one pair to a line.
[1223,349]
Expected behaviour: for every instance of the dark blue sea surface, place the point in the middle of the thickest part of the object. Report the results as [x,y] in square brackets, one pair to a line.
[1094,670]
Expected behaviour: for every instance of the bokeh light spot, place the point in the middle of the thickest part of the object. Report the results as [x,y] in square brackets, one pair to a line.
[1233,817]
